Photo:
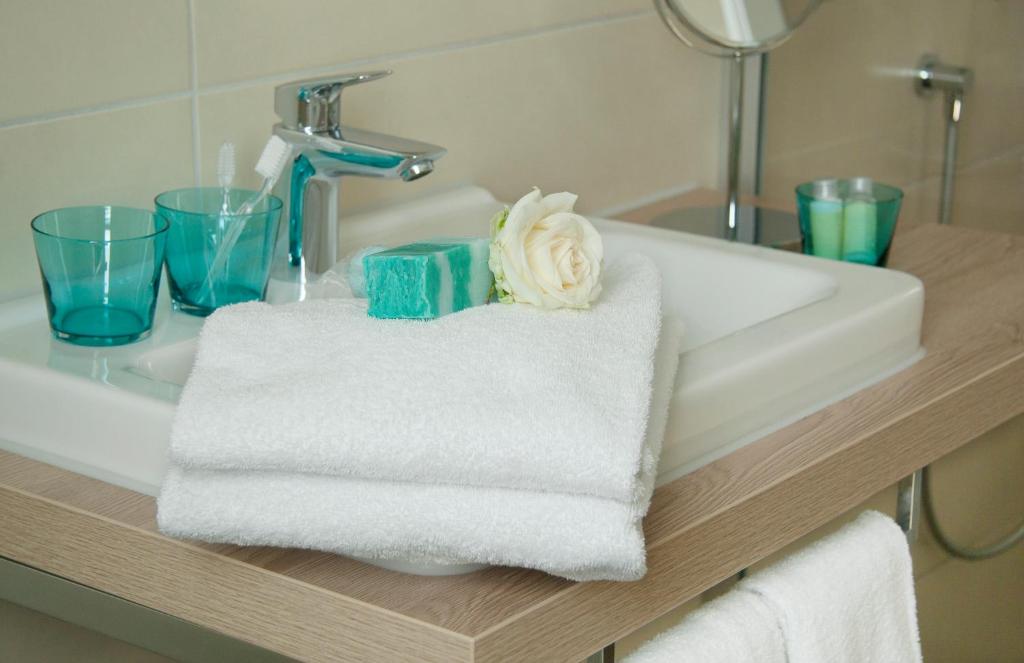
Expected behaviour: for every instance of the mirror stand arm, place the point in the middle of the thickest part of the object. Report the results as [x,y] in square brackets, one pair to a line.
[736,69]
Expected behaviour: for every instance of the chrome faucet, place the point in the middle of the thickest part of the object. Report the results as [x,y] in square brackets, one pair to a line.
[323,151]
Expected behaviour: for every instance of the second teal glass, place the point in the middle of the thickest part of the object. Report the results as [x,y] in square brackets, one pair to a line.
[201,220]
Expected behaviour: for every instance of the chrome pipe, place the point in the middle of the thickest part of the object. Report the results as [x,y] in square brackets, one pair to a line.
[954,107]
[735,138]
[931,74]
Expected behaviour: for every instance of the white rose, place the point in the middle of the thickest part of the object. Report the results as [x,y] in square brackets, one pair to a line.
[543,253]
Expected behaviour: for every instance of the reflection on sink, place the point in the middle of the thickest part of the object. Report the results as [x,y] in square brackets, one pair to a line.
[771,337]
[717,293]
[170,363]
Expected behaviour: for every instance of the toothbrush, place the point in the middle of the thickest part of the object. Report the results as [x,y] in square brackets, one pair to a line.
[225,177]
[226,173]
[270,166]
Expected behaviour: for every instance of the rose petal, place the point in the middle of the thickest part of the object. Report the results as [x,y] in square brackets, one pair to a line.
[560,202]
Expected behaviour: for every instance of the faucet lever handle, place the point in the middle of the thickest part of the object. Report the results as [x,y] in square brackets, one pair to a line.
[313,106]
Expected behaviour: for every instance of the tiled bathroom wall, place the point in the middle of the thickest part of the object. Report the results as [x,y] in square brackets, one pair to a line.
[841,102]
[117,100]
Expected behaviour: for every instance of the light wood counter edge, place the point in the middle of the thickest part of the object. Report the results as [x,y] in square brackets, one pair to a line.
[241,600]
[702,528]
[706,552]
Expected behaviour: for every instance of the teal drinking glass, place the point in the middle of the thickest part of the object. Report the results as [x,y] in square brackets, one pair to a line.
[852,220]
[101,272]
[203,224]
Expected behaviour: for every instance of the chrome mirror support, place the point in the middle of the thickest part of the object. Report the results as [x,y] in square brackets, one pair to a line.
[734,29]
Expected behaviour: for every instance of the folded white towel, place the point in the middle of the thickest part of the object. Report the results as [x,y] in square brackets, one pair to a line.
[496,396]
[575,536]
[738,627]
[846,598]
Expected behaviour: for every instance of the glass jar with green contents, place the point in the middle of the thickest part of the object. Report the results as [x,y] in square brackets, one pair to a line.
[851,220]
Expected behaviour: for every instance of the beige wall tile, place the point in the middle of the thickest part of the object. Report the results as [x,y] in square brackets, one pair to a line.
[993,119]
[861,155]
[977,489]
[124,157]
[561,111]
[240,39]
[973,611]
[56,56]
[838,105]
[920,203]
[990,195]
[843,77]
[987,196]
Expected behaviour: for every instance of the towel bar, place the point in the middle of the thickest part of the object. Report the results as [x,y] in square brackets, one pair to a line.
[908,517]
[908,505]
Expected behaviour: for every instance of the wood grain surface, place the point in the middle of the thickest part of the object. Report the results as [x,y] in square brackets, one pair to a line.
[701,529]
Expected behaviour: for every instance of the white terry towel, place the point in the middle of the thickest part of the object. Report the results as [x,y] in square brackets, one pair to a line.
[846,598]
[737,627]
[496,396]
[573,536]
[579,537]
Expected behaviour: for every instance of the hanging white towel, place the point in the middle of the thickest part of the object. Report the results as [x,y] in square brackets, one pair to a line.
[738,627]
[848,598]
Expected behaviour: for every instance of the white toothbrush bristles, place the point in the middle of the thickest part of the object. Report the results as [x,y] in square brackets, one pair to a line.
[274,159]
[226,165]
[271,164]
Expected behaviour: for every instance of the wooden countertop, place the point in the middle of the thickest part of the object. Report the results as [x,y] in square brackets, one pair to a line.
[702,528]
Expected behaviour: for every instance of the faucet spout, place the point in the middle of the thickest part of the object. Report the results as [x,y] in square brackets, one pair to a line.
[324,151]
[418,170]
[351,151]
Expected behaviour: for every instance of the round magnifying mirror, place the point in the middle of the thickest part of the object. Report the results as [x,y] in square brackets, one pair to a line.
[735,29]
[731,27]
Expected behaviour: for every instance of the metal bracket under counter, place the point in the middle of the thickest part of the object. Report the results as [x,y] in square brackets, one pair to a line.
[908,505]
[121,619]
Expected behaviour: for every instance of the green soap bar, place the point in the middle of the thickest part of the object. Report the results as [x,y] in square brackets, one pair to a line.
[827,228]
[428,279]
[860,232]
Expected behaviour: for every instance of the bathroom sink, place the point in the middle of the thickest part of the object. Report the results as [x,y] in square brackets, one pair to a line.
[771,337]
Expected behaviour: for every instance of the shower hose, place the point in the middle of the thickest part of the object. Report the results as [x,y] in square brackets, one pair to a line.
[954,80]
[955,549]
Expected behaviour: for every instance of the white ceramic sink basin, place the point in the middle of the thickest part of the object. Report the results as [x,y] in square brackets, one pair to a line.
[772,336]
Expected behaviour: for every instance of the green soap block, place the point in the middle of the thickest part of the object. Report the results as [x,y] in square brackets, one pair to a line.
[827,228]
[860,232]
[428,279]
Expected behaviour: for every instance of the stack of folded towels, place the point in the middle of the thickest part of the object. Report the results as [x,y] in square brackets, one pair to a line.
[501,434]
